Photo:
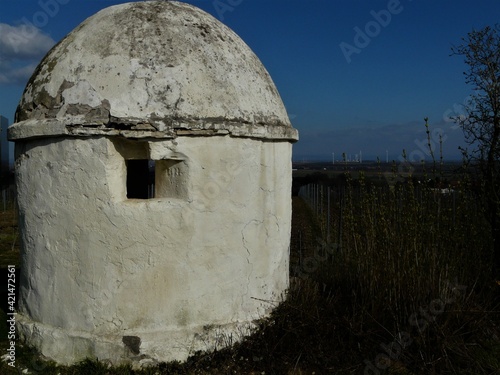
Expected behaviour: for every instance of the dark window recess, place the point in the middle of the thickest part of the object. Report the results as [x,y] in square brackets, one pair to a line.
[140,178]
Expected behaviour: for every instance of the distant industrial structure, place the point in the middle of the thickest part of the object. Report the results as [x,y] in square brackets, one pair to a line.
[4,146]
[348,158]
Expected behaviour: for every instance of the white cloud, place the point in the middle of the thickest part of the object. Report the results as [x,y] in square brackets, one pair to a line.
[23,42]
[21,48]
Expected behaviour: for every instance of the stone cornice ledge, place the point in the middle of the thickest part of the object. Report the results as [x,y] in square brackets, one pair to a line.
[53,128]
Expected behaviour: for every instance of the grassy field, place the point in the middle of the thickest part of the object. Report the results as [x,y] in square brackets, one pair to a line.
[405,288]
[9,237]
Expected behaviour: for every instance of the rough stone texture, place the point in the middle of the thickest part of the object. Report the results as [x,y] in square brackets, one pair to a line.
[146,280]
[153,67]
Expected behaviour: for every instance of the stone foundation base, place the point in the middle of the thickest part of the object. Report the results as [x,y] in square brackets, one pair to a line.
[143,349]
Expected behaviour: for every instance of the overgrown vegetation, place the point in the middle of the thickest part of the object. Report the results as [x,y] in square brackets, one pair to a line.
[404,286]
[412,270]
[9,237]
[413,266]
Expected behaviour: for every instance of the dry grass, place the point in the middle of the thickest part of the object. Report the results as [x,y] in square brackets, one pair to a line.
[346,304]
[9,237]
[413,270]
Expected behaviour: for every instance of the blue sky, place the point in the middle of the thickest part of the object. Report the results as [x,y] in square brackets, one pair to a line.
[353,74]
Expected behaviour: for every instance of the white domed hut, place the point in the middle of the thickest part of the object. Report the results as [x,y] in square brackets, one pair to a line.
[153,167]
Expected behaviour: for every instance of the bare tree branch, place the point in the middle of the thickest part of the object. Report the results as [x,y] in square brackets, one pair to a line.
[481,124]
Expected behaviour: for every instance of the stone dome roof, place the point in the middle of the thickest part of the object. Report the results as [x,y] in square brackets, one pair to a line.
[151,69]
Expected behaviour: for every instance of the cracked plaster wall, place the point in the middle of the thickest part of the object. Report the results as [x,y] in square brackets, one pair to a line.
[98,267]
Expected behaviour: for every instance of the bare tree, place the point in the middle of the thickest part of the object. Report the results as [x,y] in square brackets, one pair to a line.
[481,124]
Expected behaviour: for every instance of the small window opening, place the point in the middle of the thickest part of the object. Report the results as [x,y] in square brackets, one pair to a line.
[140,178]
